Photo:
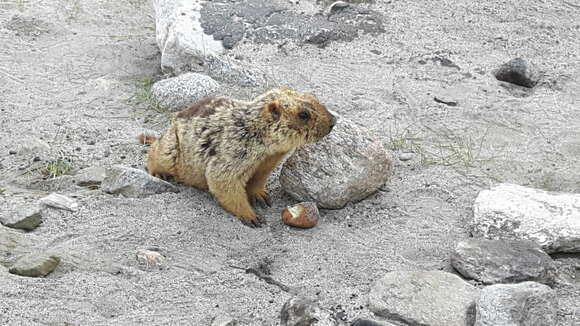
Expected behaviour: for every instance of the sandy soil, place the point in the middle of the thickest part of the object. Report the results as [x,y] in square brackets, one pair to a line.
[73,79]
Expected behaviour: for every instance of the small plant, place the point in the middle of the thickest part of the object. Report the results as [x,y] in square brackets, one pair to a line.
[143,96]
[57,168]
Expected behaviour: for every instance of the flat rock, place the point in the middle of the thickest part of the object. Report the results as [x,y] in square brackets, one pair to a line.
[300,311]
[180,92]
[344,167]
[503,261]
[58,201]
[35,265]
[509,211]
[91,177]
[26,217]
[432,298]
[223,320]
[519,72]
[527,303]
[180,37]
[370,322]
[12,244]
[132,182]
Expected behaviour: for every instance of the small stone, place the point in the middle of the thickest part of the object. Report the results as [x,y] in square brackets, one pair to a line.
[24,217]
[91,177]
[36,159]
[132,182]
[344,167]
[509,211]
[503,261]
[299,311]
[424,298]
[12,152]
[519,72]
[527,303]
[180,92]
[55,200]
[149,257]
[35,265]
[91,142]
[223,321]
[369,322]
[303,215]
[406,156]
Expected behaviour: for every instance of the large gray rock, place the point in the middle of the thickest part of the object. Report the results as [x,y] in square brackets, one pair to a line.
[299,311]
[525,304]
[35,265]
[503,261]
[133,182]
[180,92]
[91,177]
[26,217]
[344,167]
[432,298]
[509,211]
[180,37]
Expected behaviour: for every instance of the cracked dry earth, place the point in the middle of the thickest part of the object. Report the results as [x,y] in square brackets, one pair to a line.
[73,78]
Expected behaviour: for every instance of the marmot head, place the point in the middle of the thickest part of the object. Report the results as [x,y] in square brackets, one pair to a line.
[295,118]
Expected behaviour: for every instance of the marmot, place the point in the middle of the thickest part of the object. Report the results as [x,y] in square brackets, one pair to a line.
[230,147]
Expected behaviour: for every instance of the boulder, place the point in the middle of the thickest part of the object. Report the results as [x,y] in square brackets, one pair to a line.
[431,298]
[503,261]
[35,265]
[180,37]
[180,92]
[344,167]
[509,211]
[26,217]
[527,303]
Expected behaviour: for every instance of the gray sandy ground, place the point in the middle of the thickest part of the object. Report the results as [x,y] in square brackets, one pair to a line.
[73,75]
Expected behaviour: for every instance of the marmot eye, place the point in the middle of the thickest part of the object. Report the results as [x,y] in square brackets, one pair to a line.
[304,115]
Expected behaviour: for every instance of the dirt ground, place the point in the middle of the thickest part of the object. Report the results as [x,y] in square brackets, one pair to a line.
[74,78]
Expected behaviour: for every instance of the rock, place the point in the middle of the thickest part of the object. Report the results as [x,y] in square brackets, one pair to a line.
[233,72]
[303,215]
[517,71]
[344,167]
[91,177]
[55,200]
[406,156]
[149,257]
[369,322]
[35,265]
[23,217]
[132,182]
[180,92]
[527,303]
[509,211]
[32,146]
[184,45]
[12,244]
[432,298]
[299,311]
[503,261]
[223,321]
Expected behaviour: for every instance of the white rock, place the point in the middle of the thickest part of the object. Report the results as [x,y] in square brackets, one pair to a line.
[509,211]
[180,37]
[149,257]
[180,92]
[59,201]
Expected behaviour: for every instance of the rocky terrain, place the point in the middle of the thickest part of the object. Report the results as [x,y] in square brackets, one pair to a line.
[468,110]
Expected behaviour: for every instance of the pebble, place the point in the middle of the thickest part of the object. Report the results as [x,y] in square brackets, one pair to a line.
[302,215]
[406,156]
[131,182]
[149,257]
[300,311]
[519,72]
[223,321]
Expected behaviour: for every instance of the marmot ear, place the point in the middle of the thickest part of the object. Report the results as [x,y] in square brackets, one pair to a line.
[274,110]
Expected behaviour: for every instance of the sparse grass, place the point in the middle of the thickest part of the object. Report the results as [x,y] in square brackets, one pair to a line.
[403,140]
[57,168]
[143,96]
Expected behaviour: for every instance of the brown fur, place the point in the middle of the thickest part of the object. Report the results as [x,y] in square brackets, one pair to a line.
[231,147]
